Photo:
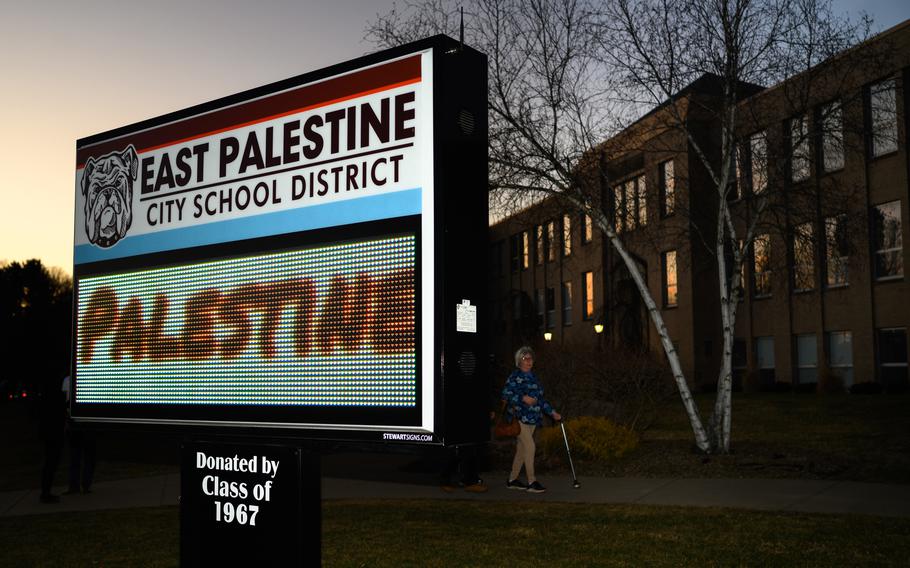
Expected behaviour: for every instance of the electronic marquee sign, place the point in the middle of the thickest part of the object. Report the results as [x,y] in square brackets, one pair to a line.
[300,259]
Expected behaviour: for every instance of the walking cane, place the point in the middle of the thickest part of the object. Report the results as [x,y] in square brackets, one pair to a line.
[575,483]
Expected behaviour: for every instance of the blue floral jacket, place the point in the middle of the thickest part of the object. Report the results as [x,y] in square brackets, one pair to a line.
[519,384]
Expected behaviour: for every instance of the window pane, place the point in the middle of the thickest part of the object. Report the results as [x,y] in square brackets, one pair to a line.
[799,149]
[552,243]
[804,257]
[540,246]
[840,352]
[642,201]
[764,351]
[525,250]
[670,280]
[589,295]
[892,357]
[551,308]
[889,254]
[836,250]
[758,154]
[807,358]
[588,233]
[631,205]
[566,303]
[619,208]
[883,111]
[668,188]
[761,249]
[514,252]
[566,235]
[832,137]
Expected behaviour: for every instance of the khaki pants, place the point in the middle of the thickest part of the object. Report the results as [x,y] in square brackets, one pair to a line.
[524,453]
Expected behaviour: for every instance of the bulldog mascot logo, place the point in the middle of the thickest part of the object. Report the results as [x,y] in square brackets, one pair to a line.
[107,184]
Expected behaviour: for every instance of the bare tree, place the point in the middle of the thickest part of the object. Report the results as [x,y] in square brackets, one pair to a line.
[567,75]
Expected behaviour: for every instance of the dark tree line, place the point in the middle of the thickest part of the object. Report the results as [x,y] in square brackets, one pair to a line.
[35,326]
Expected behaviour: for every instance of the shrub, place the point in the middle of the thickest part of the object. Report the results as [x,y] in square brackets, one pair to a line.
[626,386]
[590,437]
[867,387]
[830,383]
[806,388]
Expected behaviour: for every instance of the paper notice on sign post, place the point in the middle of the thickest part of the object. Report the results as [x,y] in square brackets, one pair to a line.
[466,317]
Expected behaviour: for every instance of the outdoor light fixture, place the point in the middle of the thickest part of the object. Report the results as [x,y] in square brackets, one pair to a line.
[548,336]
[598,328]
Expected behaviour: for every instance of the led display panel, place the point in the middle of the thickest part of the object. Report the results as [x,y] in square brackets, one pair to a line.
[276,259]
[324,326]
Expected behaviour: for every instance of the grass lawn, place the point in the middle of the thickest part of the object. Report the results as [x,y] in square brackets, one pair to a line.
[779,435]
[461,533]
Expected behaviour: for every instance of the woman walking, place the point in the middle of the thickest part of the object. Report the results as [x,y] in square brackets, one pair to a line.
[524,399]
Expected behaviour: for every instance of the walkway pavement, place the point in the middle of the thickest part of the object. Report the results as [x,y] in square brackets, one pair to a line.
[757,494]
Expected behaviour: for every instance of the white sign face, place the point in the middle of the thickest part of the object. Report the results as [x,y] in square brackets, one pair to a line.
[347,149]
[336,315]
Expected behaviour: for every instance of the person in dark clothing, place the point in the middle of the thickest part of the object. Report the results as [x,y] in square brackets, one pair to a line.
[52,421]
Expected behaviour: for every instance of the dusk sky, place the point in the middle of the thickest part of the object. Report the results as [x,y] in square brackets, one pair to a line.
[73,69]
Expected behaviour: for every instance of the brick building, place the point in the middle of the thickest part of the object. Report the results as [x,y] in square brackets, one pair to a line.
[822,155]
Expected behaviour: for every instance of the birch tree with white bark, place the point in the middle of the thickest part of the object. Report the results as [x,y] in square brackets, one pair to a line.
[567,75]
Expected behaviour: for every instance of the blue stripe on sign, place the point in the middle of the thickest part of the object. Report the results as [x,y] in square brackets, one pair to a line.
[372,208]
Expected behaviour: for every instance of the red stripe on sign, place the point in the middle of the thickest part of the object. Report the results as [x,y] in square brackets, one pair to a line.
[338,89]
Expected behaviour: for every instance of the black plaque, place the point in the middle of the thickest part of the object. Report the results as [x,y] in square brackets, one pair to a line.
[256,505]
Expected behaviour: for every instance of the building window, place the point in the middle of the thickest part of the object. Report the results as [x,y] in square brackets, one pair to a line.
[806,359]
[540,299]
[892,357]
[566,235]
[514,252]
[566,303]
[832,123]
[758,162]
[888,240]
[836,251]
[740,362]
[551,308]
[764,354]
[496,258]
[525,250]
[552,243]
[761,267]
[804,257]
[800,158]
[630,204]
[840,354]
[671,291]
[619,207]
[667,188]
[541,249]
[883,117]
[588,291]
[641,201]
[587,233]
[736,176]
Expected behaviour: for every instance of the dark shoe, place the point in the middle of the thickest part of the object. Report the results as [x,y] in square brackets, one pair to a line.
[516,484]
[476,488]
[49,498]
[536,487]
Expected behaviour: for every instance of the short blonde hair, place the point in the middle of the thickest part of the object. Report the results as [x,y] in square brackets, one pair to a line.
[522,351]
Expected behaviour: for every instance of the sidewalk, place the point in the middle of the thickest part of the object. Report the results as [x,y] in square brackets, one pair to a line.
[757,494]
